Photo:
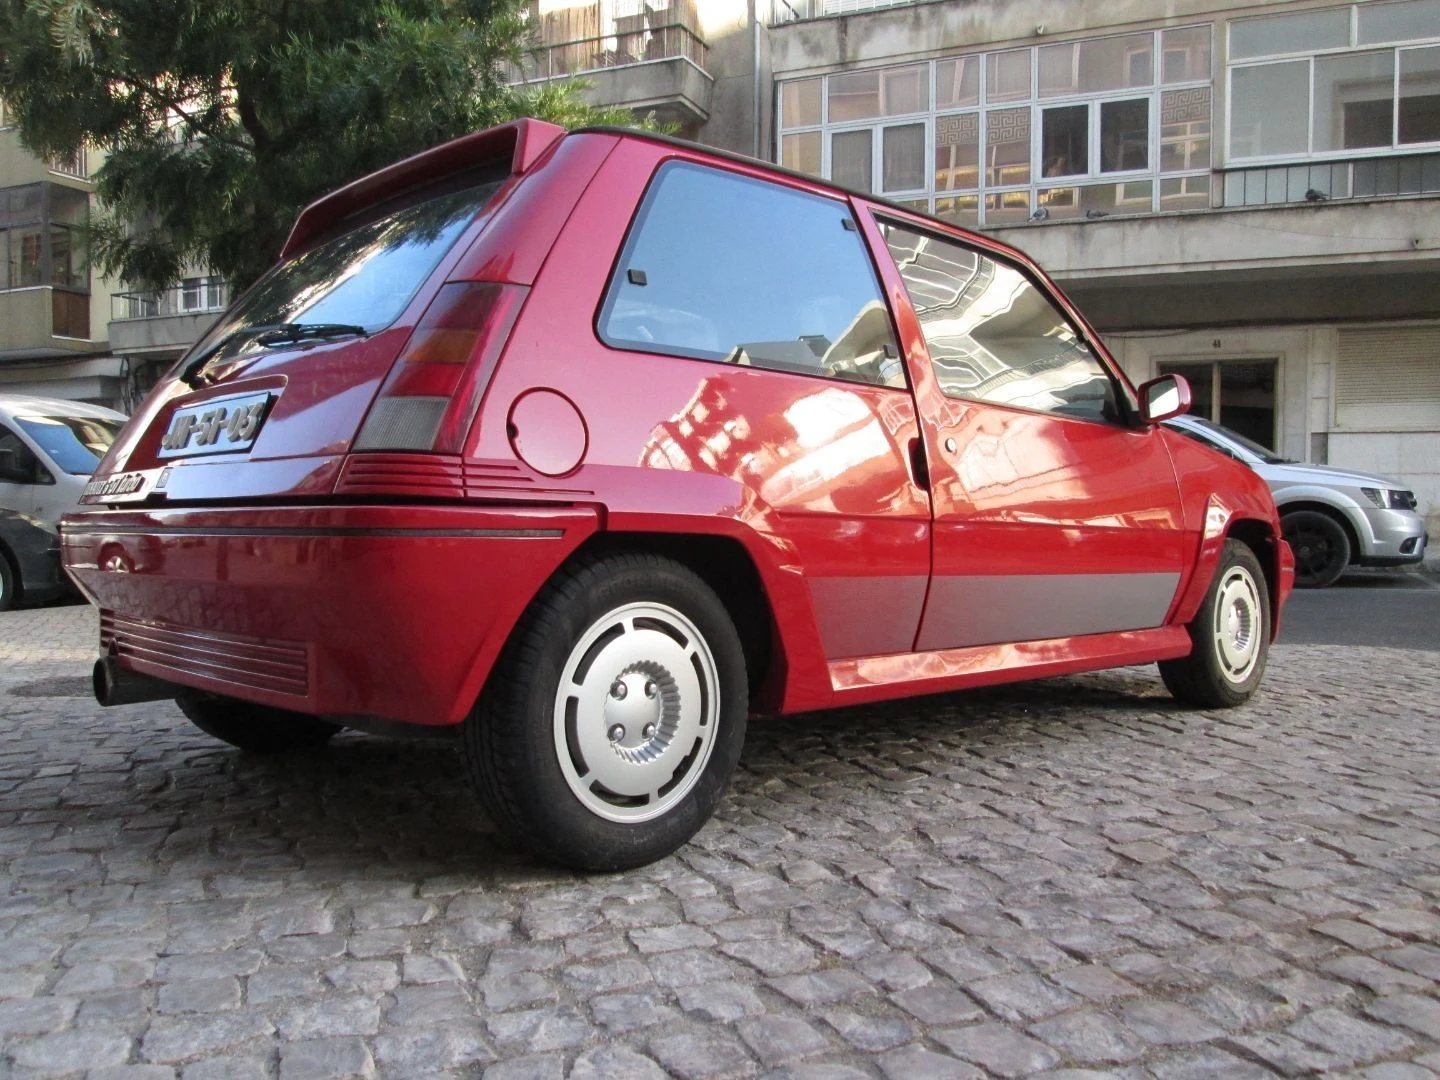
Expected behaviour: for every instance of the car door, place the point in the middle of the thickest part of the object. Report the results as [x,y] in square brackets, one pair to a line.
[1054,515]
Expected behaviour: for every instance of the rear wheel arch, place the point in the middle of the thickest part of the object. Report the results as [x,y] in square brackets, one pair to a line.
[725,565]
[10,587]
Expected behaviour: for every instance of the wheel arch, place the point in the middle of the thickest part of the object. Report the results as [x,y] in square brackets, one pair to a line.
[13,564]
[727,566]
[1261,538]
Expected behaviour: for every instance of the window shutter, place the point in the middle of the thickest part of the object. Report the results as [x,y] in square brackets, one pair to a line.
[1388,378]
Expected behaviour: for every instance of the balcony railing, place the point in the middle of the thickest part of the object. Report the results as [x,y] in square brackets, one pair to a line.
[609,51]
[1362,178]
[786,11]
[74,165]
[195,297]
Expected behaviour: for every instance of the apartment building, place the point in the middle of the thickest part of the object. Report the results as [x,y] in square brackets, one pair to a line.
[53,312]
[1247,193]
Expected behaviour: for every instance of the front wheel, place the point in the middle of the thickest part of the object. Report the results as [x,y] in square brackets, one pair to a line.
[1322,550]
[610,728]
[1230,636]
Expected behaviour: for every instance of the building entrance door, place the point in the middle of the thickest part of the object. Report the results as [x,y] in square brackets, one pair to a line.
[1237,394]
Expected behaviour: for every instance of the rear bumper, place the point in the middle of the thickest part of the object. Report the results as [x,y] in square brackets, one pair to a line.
[395,612]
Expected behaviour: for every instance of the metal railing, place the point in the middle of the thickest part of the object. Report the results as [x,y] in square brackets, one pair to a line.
[75,165]
[787,11]
[565,58]
[1361,178]
[198,297]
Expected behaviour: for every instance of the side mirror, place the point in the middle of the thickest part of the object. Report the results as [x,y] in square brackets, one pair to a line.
[1162,398]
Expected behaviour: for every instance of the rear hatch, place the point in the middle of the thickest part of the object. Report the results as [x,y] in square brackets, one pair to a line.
[271,400]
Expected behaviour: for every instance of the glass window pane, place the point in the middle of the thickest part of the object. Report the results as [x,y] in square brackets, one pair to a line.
[855,96]
[903,152]
[957,152]
[1407,21]
[4,258]
[1420,95]
[1185,193]
[784,284]
[1065,141]
[1117,63]
[1305,31]
[1007,147]
[1096,200]
[962,210]
[1186,53]
[851,161]
[1058,71]
[1007,208]
[1007,76]
[20,205]
[1354,100]
[801,152]
[26,245]
[1185,129]
[1269,109]
[905,90]
[1125,135]
[957,82]
[800,103]
[992,335]
[67,259]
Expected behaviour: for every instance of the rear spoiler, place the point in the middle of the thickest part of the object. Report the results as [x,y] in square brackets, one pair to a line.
[523,141]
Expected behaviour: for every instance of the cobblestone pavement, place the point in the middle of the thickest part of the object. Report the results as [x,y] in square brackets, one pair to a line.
[1067,876]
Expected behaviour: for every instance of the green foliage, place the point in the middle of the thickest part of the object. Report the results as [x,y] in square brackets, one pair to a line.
[220,119]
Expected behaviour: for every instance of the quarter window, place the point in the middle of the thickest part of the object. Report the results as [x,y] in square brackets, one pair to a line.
[721,267]
[993,335]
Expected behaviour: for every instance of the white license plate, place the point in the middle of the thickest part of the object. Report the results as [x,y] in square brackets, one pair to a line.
[229,425]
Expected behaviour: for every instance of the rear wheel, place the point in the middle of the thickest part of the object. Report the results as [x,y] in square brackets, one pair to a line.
[1230,637]
[1322,550]
[610,728]
[261,729]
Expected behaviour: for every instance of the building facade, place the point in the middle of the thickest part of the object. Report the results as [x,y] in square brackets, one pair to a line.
[1244,192]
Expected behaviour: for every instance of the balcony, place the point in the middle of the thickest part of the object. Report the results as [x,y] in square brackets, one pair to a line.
[635,56]
[44,321]
[164,324]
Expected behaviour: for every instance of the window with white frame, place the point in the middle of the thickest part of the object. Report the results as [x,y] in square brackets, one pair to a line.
[1088,128]
[202,294]
[1342,82]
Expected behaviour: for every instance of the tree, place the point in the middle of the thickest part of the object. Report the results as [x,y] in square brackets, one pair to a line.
[222,118]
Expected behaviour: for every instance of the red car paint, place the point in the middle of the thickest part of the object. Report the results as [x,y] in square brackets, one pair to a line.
[882,523]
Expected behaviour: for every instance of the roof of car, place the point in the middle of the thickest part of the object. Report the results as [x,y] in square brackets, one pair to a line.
[10,404]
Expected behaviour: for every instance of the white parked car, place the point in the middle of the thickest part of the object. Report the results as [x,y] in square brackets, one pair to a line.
[48,449]
[1333,518]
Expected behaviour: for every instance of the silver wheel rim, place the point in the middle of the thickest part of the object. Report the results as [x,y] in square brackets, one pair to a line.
[1238,624]
[635,713]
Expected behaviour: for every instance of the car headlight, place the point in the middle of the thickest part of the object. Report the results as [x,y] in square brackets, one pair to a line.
[1390,498]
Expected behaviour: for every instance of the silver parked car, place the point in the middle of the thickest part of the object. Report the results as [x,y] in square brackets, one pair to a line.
[1333,518]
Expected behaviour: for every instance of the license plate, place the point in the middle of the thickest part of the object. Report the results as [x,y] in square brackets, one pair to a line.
[229,425]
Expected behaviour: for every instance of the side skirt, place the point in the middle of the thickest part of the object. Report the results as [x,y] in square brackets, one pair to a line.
[879,678]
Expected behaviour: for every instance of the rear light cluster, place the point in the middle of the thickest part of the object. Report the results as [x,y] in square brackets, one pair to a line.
[431,395]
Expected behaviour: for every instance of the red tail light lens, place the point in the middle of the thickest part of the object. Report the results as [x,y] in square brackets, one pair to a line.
[430,397]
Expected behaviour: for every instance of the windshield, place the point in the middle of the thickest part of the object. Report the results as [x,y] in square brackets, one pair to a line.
[1264,453]
[364,277]
[75,443]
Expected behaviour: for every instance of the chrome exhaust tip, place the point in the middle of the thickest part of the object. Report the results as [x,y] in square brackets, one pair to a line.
[115,685]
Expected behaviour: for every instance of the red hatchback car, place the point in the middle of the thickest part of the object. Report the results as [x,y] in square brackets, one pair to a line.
[587,446]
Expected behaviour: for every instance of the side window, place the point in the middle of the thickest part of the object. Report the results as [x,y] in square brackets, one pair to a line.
[993,336]
[723,267]
[17,461]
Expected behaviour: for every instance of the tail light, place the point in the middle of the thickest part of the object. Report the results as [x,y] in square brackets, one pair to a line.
[433,391]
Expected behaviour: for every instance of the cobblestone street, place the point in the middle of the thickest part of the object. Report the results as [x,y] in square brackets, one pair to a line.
[1067,878]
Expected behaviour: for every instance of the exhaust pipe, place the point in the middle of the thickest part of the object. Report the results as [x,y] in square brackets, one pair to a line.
[115,685]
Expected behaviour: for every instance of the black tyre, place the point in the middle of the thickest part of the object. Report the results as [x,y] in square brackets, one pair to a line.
[260,729]
[610,728]
[1321,547]
[1230,636]
[9,584]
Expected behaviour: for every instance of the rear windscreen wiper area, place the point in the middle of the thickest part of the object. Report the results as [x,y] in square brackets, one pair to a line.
[269,335]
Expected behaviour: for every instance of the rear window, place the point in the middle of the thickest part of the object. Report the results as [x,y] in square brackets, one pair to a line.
[75,443]
[364,277]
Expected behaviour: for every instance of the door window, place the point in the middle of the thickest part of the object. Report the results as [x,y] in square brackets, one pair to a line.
[993,335]
[722,267]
